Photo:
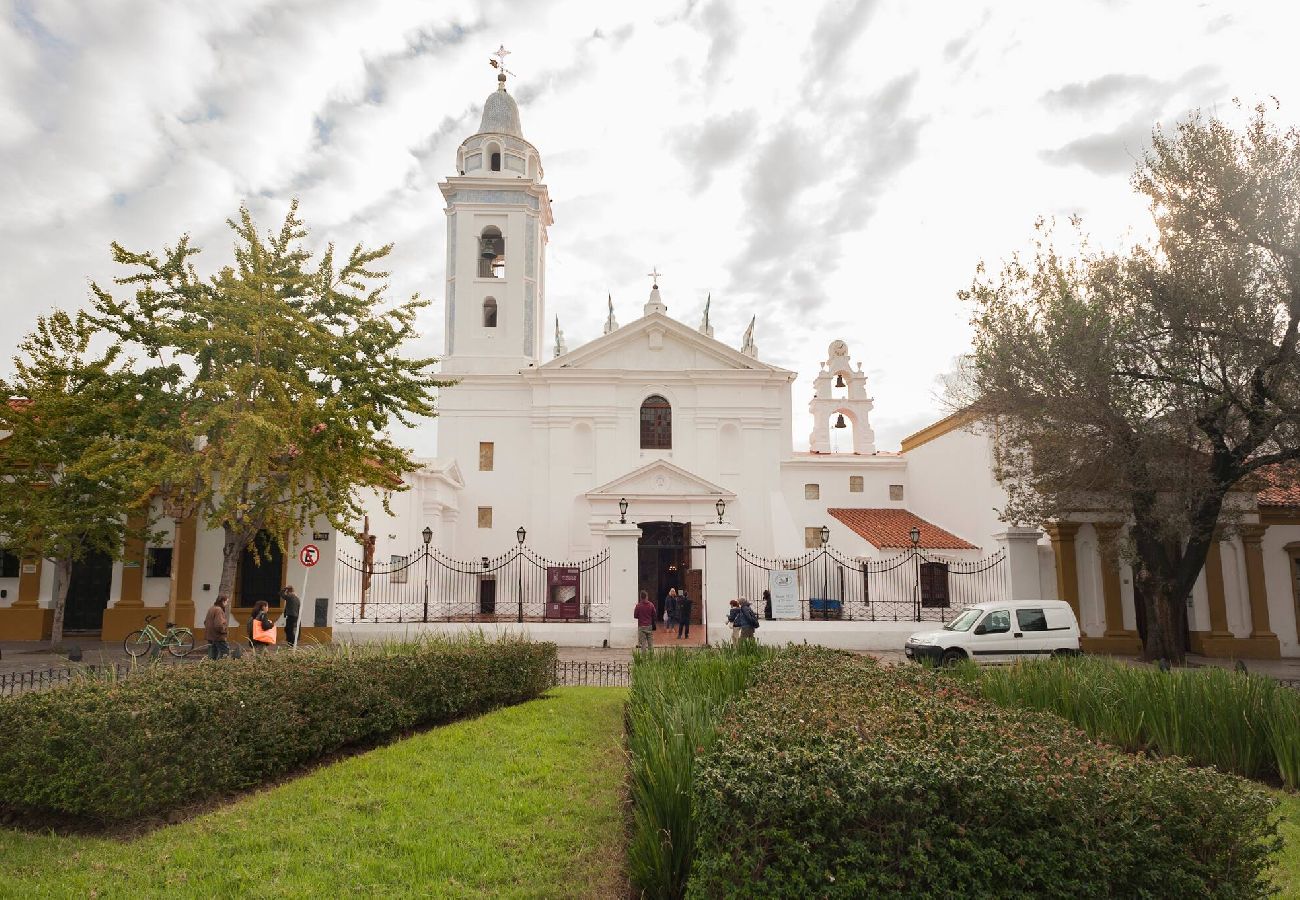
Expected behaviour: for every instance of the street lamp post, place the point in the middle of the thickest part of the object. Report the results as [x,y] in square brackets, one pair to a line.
[915,535]
[427,534]
[826,575]
[520,534]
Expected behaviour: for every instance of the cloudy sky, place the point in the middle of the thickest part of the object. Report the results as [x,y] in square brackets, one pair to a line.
[836,168]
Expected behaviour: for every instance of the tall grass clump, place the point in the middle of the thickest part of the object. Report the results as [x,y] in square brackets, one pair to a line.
[1245,724]
[674,707]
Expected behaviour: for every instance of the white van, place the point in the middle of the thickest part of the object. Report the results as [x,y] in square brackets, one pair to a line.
[1000,633]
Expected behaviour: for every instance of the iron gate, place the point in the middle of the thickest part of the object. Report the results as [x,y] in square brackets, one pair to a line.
[519,585]
[912,586]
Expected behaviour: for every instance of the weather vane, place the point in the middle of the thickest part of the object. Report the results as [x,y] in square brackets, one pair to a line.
[500,61]
[653,275]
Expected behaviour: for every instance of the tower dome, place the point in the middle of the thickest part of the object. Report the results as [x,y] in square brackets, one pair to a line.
[500,112]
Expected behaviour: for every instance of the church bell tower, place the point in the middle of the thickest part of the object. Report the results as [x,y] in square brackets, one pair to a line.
[498,210]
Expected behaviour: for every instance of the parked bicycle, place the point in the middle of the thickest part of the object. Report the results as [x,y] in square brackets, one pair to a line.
[178,641]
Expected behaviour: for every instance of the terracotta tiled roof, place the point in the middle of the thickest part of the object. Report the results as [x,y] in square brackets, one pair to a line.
[1280,485]
[888,528]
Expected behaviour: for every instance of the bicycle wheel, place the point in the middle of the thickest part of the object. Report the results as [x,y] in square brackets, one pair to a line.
[182,642]
[136,644]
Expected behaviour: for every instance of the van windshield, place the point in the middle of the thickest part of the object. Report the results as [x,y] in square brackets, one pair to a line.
[964,621]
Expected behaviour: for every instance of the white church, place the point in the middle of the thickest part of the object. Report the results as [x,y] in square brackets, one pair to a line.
[668,453]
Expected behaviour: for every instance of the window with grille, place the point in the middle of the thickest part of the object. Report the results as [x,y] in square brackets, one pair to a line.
[895,492]
[158,562]
[812,537]
[855,484]
[485,517]
[812,491]
[486,454]
[9,565]
[656,424]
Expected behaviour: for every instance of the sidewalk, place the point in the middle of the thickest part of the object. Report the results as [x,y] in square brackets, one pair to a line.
[24,656]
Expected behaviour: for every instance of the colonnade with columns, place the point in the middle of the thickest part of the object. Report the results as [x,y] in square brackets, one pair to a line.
[1097,583]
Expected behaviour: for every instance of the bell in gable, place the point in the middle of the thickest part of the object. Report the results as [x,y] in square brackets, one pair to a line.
[839,421]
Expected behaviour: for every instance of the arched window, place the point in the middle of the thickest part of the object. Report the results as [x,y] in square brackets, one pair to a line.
[494,157]
[490,313]
[491,253]
[656,424]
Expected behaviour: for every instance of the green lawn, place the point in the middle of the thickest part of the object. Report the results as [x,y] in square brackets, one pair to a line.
[1288,861]
[525,801]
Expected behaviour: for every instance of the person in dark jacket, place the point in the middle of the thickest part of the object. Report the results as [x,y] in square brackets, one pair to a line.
[767,605]
[670,608]
[683,615]
[292,607]
[747,619]
[216,628]
[732,615]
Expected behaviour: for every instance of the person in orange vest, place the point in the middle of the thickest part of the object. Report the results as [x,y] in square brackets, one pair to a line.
[261,630]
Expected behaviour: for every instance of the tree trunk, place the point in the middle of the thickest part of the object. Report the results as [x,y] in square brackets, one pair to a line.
[231,549]
[62,580]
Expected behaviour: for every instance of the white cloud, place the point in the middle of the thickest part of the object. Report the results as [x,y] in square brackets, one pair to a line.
[837,168]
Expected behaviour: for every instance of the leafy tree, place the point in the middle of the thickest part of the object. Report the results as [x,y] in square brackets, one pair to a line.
[1156,381]
[293,375]
[71,466]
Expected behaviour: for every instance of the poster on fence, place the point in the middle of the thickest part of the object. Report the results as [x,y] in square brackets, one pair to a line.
[563,587]
[785,594]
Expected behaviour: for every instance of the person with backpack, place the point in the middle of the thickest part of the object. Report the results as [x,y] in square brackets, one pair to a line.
[747,619]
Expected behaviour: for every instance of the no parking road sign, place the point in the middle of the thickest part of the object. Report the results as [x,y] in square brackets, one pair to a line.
[309,555]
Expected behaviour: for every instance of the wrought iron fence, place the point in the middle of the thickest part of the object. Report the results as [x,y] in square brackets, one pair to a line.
[14,683]
[912,586]
[427,585]
[572,673]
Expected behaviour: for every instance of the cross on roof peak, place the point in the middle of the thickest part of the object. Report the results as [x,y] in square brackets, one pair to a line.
[653,275]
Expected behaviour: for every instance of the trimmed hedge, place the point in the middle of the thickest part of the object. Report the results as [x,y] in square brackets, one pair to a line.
[837,776]
[114,750]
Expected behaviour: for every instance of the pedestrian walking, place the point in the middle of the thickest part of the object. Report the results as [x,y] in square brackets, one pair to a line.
[261,630]
[670,608]
[292,607]
[747,620]
[216,628]
[767,605]
[645,615]
[683,615]
[732,614]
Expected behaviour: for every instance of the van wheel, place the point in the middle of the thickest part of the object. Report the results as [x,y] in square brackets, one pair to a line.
[1064,654]
[951,657]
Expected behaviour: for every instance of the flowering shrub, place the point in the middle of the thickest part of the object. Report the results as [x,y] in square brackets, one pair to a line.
[117,750]
[837,776]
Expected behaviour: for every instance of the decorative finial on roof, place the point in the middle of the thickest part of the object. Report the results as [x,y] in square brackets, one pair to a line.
[500,63]
[705,328]
[653,275]
[561,348]
[747,345]
[611,324]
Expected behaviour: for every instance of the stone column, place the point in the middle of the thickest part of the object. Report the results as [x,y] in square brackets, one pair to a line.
[623,540]
[1262,643]
[25,619]
[720,586]
[1062,535]
[1116,638]
[1218,641]
[1023,576]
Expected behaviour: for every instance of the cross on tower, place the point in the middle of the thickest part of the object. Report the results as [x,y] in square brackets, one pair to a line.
[653,275]
[500,61]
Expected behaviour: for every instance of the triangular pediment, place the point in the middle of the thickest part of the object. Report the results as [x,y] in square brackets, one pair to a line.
[660,478]
[657,343]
